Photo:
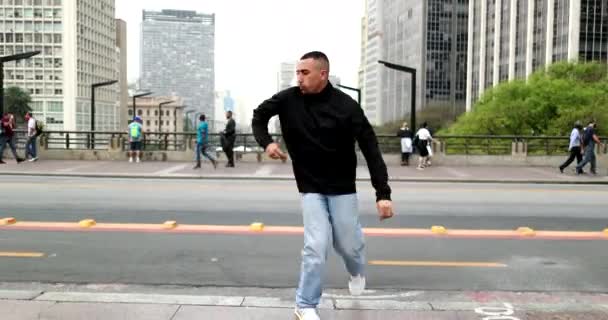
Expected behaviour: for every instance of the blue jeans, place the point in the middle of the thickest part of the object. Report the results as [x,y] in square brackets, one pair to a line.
[30,147]
[327,219]
[4,140]
[202,149]
[588,157]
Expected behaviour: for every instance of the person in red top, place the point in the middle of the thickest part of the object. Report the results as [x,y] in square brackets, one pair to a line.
[8,125]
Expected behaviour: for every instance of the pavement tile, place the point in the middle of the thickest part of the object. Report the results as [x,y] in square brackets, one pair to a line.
[23,310]
[140,298]
[18,294]
[221,313]
[566,316]
[270,302]
[97,311]
[382,305]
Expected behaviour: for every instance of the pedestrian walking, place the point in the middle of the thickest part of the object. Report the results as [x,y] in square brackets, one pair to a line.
[405,133]
[320,127]
[30,144]
[590,139]
[228,136]
[423,140]
[202,143]
[135,139]
[8,126]
[574,148]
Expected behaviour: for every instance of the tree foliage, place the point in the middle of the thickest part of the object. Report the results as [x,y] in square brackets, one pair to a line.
[548,103]
[17,101]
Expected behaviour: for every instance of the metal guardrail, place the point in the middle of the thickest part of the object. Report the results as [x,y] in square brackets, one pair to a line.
[449,144]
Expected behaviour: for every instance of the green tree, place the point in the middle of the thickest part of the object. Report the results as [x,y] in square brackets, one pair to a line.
[548,103]
[17,101]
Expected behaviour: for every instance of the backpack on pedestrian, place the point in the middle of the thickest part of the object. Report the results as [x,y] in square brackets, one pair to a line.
[134,132]
[39,127]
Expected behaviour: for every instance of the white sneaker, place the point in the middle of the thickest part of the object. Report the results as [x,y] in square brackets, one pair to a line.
[306,314]
[130,160]
[356,285]
[137,160]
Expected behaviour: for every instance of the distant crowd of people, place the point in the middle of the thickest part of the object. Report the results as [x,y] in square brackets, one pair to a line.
[227,140]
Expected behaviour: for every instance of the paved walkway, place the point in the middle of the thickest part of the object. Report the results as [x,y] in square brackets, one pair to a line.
[111,302]
[283,171]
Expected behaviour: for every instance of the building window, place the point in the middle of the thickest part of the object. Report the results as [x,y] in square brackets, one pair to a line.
[140,112]
[130,113]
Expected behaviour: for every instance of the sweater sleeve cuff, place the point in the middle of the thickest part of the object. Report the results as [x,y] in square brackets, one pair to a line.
[265,142]
[383,196]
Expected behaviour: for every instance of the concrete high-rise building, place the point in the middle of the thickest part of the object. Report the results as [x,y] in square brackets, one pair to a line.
[123,82]
[430,36]
[510,39]
[178,57]
[372,102]
[286,75]
[78,44]
[362,64]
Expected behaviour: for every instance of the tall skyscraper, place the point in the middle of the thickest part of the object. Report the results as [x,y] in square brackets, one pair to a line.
[286,75]
[510,39]
[178,56]
[123,84]
[372,102]
[78,44]
[429,36]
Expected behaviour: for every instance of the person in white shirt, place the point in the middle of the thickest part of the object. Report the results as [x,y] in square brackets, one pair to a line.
[30,145]
[423,137]
[576,141]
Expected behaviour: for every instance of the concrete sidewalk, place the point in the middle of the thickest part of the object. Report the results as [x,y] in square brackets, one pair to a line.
[111,302]
[283,171]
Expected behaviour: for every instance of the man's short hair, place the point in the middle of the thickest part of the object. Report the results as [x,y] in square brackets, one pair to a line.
[202,117]
[318,56]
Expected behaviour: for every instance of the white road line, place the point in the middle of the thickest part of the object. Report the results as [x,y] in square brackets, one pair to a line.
[457,173]
[263,171]
[169,171]
[72,169]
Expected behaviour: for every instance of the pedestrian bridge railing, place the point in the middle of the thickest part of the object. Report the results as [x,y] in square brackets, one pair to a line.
[472,145]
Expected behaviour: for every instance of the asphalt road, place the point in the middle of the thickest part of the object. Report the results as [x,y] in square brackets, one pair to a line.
[273,260]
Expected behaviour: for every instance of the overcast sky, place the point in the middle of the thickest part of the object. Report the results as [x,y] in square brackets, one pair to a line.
[253,37]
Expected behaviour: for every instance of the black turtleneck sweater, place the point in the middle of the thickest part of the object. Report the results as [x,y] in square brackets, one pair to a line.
[320,131]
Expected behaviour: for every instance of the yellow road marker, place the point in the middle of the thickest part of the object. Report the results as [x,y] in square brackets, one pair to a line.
[257,227]
[170,225]
[21,254]
[446,264]
[88,223]
[526,231]
[7,221]
[439,230]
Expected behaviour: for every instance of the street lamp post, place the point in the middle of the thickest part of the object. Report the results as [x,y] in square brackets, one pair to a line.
[93,87]
[4,59]
[411,71]
[160,114]
[353,89]
[139,95]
